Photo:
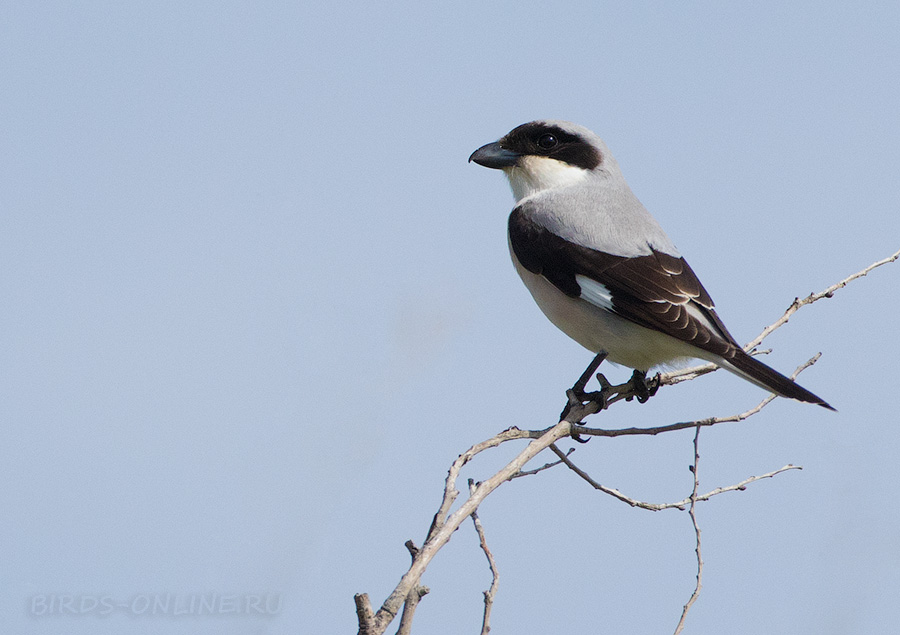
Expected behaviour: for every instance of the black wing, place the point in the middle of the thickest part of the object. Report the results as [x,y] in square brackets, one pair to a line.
[657,291]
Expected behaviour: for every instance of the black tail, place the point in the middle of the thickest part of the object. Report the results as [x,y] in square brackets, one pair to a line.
[755,371]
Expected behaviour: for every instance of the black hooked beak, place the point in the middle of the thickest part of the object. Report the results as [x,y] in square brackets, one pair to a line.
[494,156]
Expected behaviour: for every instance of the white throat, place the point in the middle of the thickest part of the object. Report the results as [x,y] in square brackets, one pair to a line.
[536,174]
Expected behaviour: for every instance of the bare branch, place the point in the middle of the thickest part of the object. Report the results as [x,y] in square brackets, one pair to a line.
[740,487]
[443,527]
[683,425]
[450,491]
[444,524]
[495,574]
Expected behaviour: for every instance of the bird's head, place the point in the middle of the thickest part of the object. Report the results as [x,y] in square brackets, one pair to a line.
[543,155]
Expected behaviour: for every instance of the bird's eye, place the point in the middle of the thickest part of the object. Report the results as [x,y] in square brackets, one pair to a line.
[547,141]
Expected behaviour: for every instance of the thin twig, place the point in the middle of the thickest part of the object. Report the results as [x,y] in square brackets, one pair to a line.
[693,515]
[740,487]
[815,297]
[545,466]
[655,507]
[495,573]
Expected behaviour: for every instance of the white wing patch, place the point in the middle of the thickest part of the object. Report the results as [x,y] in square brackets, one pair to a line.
[594,292]
[598,294]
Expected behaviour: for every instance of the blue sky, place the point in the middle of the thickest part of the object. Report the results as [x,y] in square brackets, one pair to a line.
[255,302]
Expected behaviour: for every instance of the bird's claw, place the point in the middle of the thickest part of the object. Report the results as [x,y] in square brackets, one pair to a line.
[581,403]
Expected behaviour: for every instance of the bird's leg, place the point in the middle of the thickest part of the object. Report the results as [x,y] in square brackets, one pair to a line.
[578,397]
[580,385]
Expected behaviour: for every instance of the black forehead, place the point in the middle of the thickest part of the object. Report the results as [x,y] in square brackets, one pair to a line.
[572,147]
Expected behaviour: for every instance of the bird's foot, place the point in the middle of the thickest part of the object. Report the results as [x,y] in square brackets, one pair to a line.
[641,387]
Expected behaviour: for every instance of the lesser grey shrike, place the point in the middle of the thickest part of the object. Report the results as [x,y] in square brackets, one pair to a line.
[599,265]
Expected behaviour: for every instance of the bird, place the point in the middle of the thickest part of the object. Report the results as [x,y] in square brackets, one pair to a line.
[601,268]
